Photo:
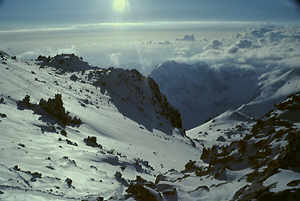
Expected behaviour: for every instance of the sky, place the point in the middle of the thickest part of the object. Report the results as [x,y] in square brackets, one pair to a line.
[134,33]
[24,12]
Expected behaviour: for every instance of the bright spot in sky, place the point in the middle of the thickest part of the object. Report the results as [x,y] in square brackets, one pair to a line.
[120,5]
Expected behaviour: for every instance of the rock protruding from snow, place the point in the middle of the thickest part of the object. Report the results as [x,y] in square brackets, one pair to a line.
[272,146]
[143,190]
[52,108]
[137,97]
[263,165]
[64,63]
[3,54]
[187,38]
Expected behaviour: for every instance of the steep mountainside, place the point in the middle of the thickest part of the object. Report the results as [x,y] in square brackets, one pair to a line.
[261,163]
[109,134]
[84,133]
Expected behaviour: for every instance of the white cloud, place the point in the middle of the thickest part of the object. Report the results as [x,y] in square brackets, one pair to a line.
[115,59]
[259,46]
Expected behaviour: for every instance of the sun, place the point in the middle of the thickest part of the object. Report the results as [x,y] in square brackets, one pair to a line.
[120,5]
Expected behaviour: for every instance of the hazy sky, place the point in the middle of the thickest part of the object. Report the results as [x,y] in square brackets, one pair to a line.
[22,12]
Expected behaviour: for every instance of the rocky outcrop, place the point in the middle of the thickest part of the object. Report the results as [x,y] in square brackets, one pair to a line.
[52,108]
[272,144]
[143,190]
[137,97]
[64,63]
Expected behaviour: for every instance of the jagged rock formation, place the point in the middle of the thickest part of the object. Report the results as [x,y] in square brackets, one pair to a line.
[52,108]
[137,97]
[64,63]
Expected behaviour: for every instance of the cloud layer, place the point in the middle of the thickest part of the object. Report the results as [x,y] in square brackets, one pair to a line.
[144,46]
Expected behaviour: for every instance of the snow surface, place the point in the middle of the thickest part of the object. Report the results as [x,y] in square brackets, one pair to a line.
[222,130]
[281,180]
[92,170]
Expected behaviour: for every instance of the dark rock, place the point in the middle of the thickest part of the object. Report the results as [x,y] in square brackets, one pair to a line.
[16,167]
[35,175]
[52,108]
[48,128]
[221,139]
[92,142]
[25,103]
[287,195]
[291,155]
[71,143]
[168,111]
[100,199]
[190,166]
[74,78]
[119,178]
[143,190]
[50,167]
[294,183]
[64,133]
[64,63]
[21,145]
[142,193]
[69,182]
[55,108]
[3,115]
[204,188]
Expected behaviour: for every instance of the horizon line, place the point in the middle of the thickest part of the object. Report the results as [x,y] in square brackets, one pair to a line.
[130,24]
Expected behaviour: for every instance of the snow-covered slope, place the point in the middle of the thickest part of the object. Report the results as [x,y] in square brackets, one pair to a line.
[256,68]
[256,161]
[127,148]
[41,159]
[274,86]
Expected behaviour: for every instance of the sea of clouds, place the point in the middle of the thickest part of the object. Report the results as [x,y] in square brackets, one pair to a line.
[146,45]
[214,75]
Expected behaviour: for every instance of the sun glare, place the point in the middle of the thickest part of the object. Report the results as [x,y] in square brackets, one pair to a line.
[120,5]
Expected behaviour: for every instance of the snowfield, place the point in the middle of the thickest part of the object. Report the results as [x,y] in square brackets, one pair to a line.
[30,143]
[71,131]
